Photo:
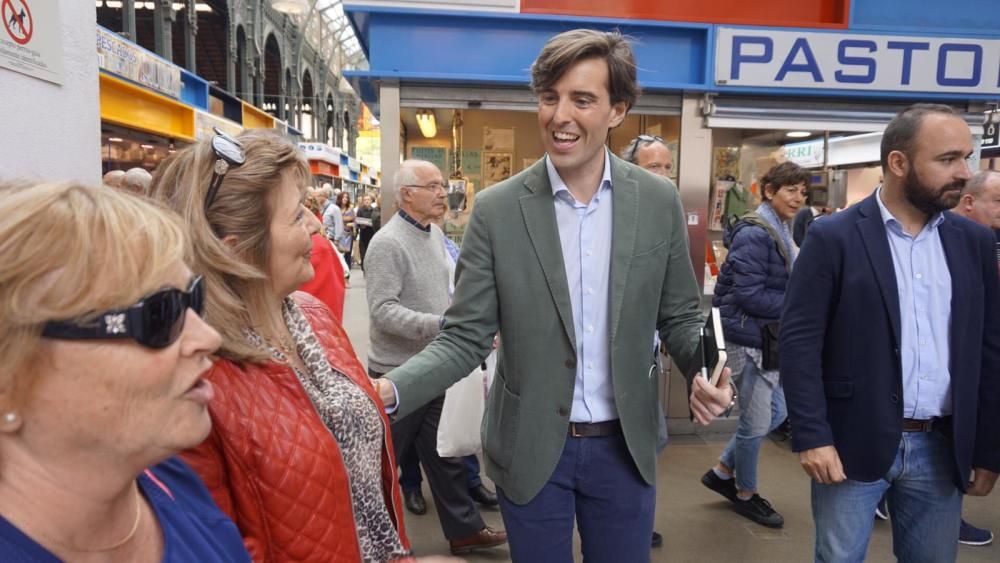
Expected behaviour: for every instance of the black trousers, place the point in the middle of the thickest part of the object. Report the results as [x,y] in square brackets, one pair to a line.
[363,241]
[456,510]
[348,258]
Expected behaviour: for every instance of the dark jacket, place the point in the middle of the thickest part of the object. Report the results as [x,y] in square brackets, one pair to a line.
[375,215]
[840,344]
[751,285]
[801,223]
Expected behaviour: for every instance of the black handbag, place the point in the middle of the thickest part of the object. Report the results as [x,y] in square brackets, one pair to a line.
[769,335]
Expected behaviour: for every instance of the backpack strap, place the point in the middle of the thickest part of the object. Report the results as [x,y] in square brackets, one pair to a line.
[754,218]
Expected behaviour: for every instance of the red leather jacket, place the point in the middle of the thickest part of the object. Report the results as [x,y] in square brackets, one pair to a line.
[274,467]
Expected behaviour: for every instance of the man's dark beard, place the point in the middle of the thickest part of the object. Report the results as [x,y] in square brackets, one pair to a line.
[930,200]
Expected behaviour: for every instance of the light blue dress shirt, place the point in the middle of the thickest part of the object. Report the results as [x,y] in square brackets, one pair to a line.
[924,284]
[333,220]
[585,237]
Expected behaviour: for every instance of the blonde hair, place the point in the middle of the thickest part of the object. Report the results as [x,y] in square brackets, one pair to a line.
[114,178]
[312,201]
[70,251]
[136,180]
[238,289]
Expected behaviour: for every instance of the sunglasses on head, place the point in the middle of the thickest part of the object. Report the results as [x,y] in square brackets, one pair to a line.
[156,321]
[228,153]
[644,139]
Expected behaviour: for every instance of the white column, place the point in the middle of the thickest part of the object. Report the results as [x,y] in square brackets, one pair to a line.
[391,147]
[51,131]
[694,179]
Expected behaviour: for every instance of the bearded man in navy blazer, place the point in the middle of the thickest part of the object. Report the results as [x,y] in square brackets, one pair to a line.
[890,351]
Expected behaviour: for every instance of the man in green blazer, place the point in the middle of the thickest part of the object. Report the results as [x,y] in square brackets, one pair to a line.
[575,262]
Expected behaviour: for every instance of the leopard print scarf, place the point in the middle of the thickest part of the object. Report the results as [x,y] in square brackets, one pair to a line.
[356,424]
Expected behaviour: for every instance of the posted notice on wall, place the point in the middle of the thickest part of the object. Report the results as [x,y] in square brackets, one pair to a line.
[30,42]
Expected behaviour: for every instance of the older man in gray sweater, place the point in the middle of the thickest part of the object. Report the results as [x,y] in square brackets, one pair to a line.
[407,279]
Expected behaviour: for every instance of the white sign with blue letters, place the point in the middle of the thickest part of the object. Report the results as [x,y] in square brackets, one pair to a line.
[894,63]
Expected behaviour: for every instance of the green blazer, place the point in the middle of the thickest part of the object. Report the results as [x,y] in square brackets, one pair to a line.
[510,278]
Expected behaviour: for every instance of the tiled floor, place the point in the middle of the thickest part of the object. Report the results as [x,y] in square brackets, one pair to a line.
[698,525]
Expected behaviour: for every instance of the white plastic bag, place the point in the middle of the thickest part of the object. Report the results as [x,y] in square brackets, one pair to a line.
[343,262]
[462,416]
[491,368]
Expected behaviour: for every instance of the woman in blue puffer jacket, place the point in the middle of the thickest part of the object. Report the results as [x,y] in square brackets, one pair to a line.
[749,294]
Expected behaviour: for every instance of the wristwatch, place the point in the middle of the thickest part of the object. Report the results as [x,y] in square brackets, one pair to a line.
[732,404]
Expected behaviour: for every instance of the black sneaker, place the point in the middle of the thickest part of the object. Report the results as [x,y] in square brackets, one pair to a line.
[725,487]
[971,535]
[758,510]
[783,432]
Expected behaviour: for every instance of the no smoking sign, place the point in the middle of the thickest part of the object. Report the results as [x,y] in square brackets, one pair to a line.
[17,20]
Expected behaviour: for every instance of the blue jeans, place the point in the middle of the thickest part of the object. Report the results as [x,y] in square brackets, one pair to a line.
[762,409]
[925,503]
[597,484]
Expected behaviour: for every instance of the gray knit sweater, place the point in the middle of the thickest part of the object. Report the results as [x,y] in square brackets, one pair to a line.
[406,276]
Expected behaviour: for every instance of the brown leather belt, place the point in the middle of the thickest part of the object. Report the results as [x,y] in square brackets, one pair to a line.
[595,429]
[929,425]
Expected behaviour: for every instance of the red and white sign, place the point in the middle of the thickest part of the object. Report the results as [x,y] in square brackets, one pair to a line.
[30,42]
[17,20]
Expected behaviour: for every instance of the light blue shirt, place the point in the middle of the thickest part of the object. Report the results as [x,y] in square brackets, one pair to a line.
[333,220]
[585,237]
[924,284]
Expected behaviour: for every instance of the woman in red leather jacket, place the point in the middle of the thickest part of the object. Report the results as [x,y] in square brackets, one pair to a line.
[300,455]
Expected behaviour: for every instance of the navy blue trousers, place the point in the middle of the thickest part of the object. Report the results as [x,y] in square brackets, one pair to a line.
[597,486]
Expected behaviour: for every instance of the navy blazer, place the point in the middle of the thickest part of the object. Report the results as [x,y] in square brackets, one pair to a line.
[803,220]
[840,339]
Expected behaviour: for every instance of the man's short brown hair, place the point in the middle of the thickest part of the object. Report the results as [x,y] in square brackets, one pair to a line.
[566,49]
[901,133]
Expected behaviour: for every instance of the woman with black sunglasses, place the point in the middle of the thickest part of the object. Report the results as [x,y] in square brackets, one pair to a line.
[300,454]
[102,362]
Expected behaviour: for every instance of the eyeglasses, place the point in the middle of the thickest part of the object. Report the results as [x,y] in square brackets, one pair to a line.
[645,139]
[433,186]
[228,152]
[156,321]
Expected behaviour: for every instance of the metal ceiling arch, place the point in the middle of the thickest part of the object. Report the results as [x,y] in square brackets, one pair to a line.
[333,20]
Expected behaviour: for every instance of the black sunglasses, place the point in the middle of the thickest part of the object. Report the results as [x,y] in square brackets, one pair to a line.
[156,321]
[229,153]
[645,139]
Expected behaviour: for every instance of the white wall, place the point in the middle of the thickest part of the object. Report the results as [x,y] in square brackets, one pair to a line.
[51,131]
[861,182]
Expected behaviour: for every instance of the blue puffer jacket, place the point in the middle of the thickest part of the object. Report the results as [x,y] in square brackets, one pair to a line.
[751,285]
